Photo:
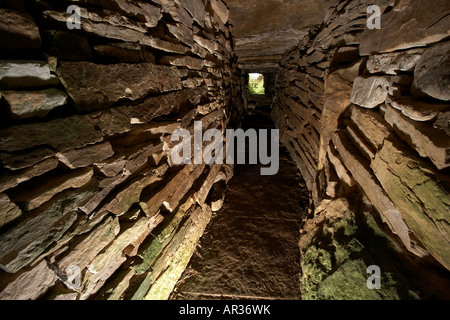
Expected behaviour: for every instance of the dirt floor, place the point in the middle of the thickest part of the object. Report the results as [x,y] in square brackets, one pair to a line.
[250,248]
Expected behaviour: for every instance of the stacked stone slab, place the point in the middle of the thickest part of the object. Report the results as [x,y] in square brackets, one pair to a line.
[91,207]
[364,113]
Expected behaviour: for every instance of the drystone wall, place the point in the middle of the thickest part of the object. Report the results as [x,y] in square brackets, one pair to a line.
[365,115]
[90,204]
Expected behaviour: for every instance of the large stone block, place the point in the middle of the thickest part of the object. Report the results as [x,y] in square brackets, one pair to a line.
[395,62]
[427,141]
[34,104]
[25,73]
[9,211]
[418,109]
[432,73]
[418,194]
[363,175]
[372,91]
[412,23]
[25,145]
[27,240]
[95,86]
[18,30]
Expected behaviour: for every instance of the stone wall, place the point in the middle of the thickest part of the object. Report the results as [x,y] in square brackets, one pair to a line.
[91,205]
[365,115]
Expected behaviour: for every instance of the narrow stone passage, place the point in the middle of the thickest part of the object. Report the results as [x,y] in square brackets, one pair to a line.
[250,248]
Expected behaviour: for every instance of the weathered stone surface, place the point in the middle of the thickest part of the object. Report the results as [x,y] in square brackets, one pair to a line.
[134,164]
[18,31]
[31,284]
[188,62]
[119,28]
[427,141]
[66,45]
[371,124]
[8,211]
[443,122]
[25,145]
[111,168]
[132,194]
[169,268]
[412,23]
[196,9]
[432,73]
[395,62]
[205,43]
[169,198]
[221,9]
[125,52]
[340,169]
[30,238]
[127,243]
[138,10]
[363,175]
[337,99]
[9,181]
[164,235]
[341,273]
[177,11]
[34,104]
[373,91]
[417,193]
[117,120]
[80,158]
[202,194]
[95,86]
[23,74]
[182,33]
[417,110]
[37,197]
[90,246]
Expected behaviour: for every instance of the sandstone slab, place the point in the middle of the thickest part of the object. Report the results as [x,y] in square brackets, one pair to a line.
[364,176]
[132,194]
[25,73]
[37,197]
[432,73]
[9,211]
[372,91]
[30,238]
[9,181]
[419,196]
[417,109]
[394,62]
[30,285]
[25,145]
[412,23]
[34,104]
[371,124]
[95,86]
[427,141]
[80,158]
[18,30]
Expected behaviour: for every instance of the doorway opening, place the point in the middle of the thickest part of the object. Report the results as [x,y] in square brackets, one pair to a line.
[256,84]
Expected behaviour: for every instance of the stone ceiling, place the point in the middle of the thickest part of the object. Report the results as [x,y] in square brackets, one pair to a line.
[265,29]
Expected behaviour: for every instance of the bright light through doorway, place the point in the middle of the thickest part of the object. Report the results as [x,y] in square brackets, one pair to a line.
[256,83]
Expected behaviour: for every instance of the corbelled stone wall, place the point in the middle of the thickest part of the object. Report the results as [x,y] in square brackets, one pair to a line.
[90,204]
[365,115]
